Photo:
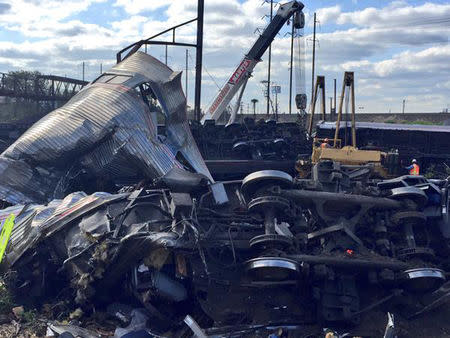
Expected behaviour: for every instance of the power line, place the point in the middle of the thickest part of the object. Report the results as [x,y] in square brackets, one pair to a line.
[418,23]
[206,70]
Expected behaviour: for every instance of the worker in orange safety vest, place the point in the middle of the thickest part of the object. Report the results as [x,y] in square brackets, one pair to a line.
[414,168]
[325,144]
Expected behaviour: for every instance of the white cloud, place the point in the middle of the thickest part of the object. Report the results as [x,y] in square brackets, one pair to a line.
[327,14]
[24,16]
[137,6]
[388,62]
[433,60]
[397,14]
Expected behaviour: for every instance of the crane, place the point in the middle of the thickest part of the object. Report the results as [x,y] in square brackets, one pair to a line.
[242,73]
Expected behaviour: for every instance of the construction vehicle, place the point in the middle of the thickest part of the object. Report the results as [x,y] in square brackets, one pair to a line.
[242,73]
[381,164]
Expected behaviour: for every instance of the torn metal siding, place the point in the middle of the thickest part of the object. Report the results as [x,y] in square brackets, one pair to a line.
[173,102]
[105,130]
[35,222]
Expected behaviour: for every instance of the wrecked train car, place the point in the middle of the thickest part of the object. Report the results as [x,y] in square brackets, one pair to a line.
[236,150]
[324,252]
[107,133]
[429,144]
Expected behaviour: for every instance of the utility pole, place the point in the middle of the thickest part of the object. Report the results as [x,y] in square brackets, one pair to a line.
[198,59]
[333,110]
[166,56]
[186,75]
[276,90]
[276,104]
[101,68]
[83,72]
[292,67]
[334,106]
[313,58]
[270,60]
[403,109]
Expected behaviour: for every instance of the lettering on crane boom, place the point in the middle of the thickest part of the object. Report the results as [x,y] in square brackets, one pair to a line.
[234,79]
[220,98]
[241,70]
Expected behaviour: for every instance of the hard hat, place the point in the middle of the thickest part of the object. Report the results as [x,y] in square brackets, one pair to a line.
[414,161]
[326,140]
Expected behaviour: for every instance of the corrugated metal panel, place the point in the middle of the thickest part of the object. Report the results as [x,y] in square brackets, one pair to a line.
[104,129]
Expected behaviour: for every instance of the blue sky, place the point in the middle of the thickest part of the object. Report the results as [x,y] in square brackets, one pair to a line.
[397,49]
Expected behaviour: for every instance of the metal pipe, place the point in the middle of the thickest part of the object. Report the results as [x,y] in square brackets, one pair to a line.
[353,110]
[331,108]
[334,113]
[339,116]
[313,106]
[167,30]
[306,197]
[324,113]
[350,262]
[136,45]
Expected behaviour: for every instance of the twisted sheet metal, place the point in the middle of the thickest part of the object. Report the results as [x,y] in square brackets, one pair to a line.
[33,222]
[104,130]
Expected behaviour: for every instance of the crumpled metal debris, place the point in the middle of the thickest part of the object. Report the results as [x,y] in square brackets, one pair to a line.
[171,248]
[69,331]
[328,249]
[105,132]
[138,324]
[35,222]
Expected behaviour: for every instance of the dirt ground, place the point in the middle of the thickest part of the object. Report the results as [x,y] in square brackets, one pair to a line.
[434,324]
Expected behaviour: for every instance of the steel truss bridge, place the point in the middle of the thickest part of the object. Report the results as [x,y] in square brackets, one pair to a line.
[48,88]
